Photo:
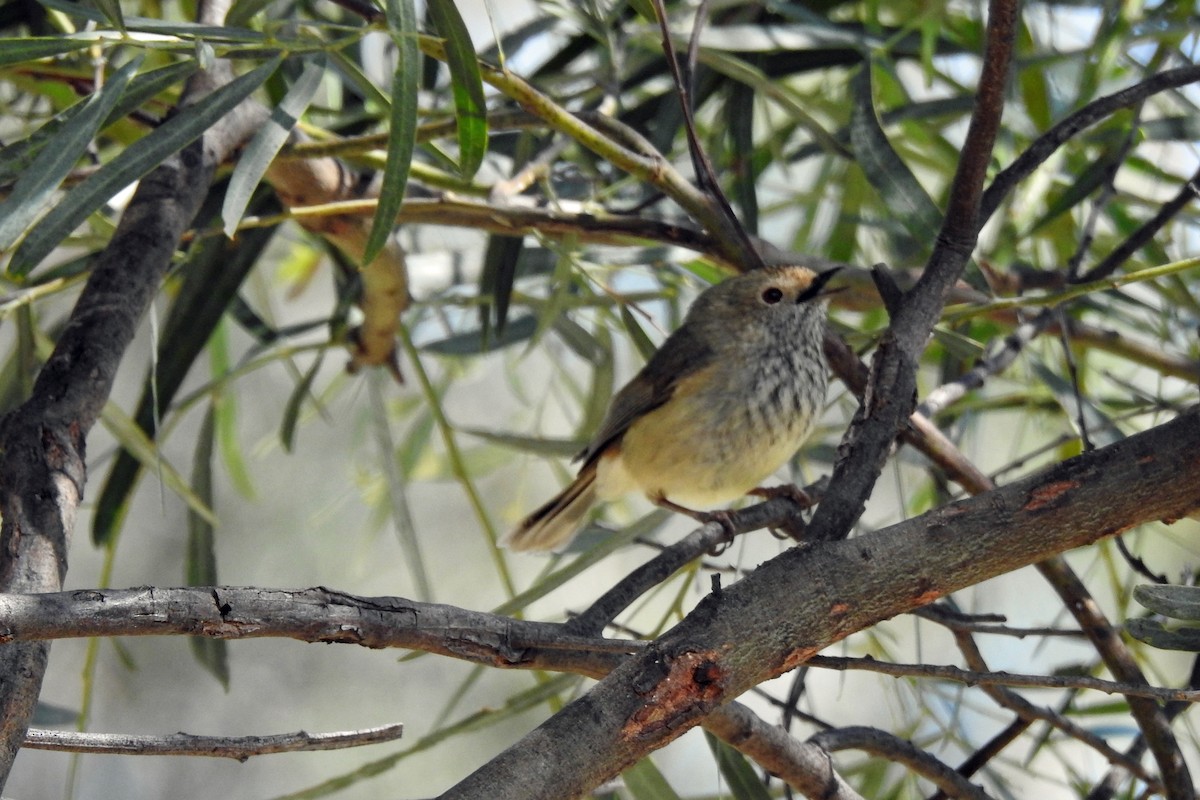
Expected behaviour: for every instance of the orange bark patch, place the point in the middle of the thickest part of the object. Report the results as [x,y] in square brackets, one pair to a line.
[692,684]
[1046,495]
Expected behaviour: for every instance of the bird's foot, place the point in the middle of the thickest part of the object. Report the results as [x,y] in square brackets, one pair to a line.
[789,490]
[722,517]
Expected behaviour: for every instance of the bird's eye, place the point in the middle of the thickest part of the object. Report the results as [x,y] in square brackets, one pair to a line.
[772,295]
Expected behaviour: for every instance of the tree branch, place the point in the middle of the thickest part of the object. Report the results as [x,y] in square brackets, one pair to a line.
[798,603]
[240,748]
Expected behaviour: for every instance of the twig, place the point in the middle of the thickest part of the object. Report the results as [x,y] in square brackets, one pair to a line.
[1145,233]
[1120,662]
[240,748]
[805,767]
[893,748]
[890,395]
[1045,145]
[604,610]
[1107,190]
[985,678]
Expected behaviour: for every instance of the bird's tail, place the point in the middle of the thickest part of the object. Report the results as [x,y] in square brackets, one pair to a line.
[556,522]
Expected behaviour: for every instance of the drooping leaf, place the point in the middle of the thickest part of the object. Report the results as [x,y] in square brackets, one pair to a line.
[262,149]
[470,108]
[645,782]
[740,776]
[200,564]
[908,202]
[496,279]
[402,124]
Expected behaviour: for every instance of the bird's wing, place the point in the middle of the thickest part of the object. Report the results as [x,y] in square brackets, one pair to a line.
[681,355]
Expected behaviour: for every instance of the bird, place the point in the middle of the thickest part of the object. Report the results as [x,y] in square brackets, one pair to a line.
[725,401]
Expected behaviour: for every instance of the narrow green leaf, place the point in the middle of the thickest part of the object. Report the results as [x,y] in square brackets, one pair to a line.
[640,340]
[537,445]
[496,279]
[134,439]
[738,772]
[645,782]
[133,163]
[1155,634]
[899,189]
[740,113]
[224,407]
[262,149]
[15,51]
[112,12]
[35,187]
[402,120]
[200,564]
[291,412]
[470,108]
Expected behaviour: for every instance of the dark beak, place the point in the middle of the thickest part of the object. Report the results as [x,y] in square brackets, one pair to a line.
[814,291]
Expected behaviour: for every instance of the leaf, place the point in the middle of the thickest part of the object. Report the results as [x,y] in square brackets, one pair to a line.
[744,783]
[29,48]
[537,445]
[470,108]
[200,564]
[1178,602]
[402,122]
[473,342]
[35,187]
[497,277]
[134,440]
[899,189]
[262,149]
[17,157]
[1155,634]
[291,412]
[645,782]
[112,12]
[133,163]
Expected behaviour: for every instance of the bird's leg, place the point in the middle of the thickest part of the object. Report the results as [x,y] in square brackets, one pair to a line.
[789,490]
[721,517]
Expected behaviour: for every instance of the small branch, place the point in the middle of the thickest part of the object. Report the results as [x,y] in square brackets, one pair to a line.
[805,767]
[240,748]
[1148,714]
[1005,698]
[1145,233]
[1045,145]
[604,610]
[893,748]
[973,678]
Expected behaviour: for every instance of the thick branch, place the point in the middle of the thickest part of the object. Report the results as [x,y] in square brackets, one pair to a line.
[800,602]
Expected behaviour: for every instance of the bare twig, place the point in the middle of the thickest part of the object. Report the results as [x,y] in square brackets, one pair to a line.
[893,748]
[1027,710]
[240,748]
[1045,145]
[805,767]
[974,677]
